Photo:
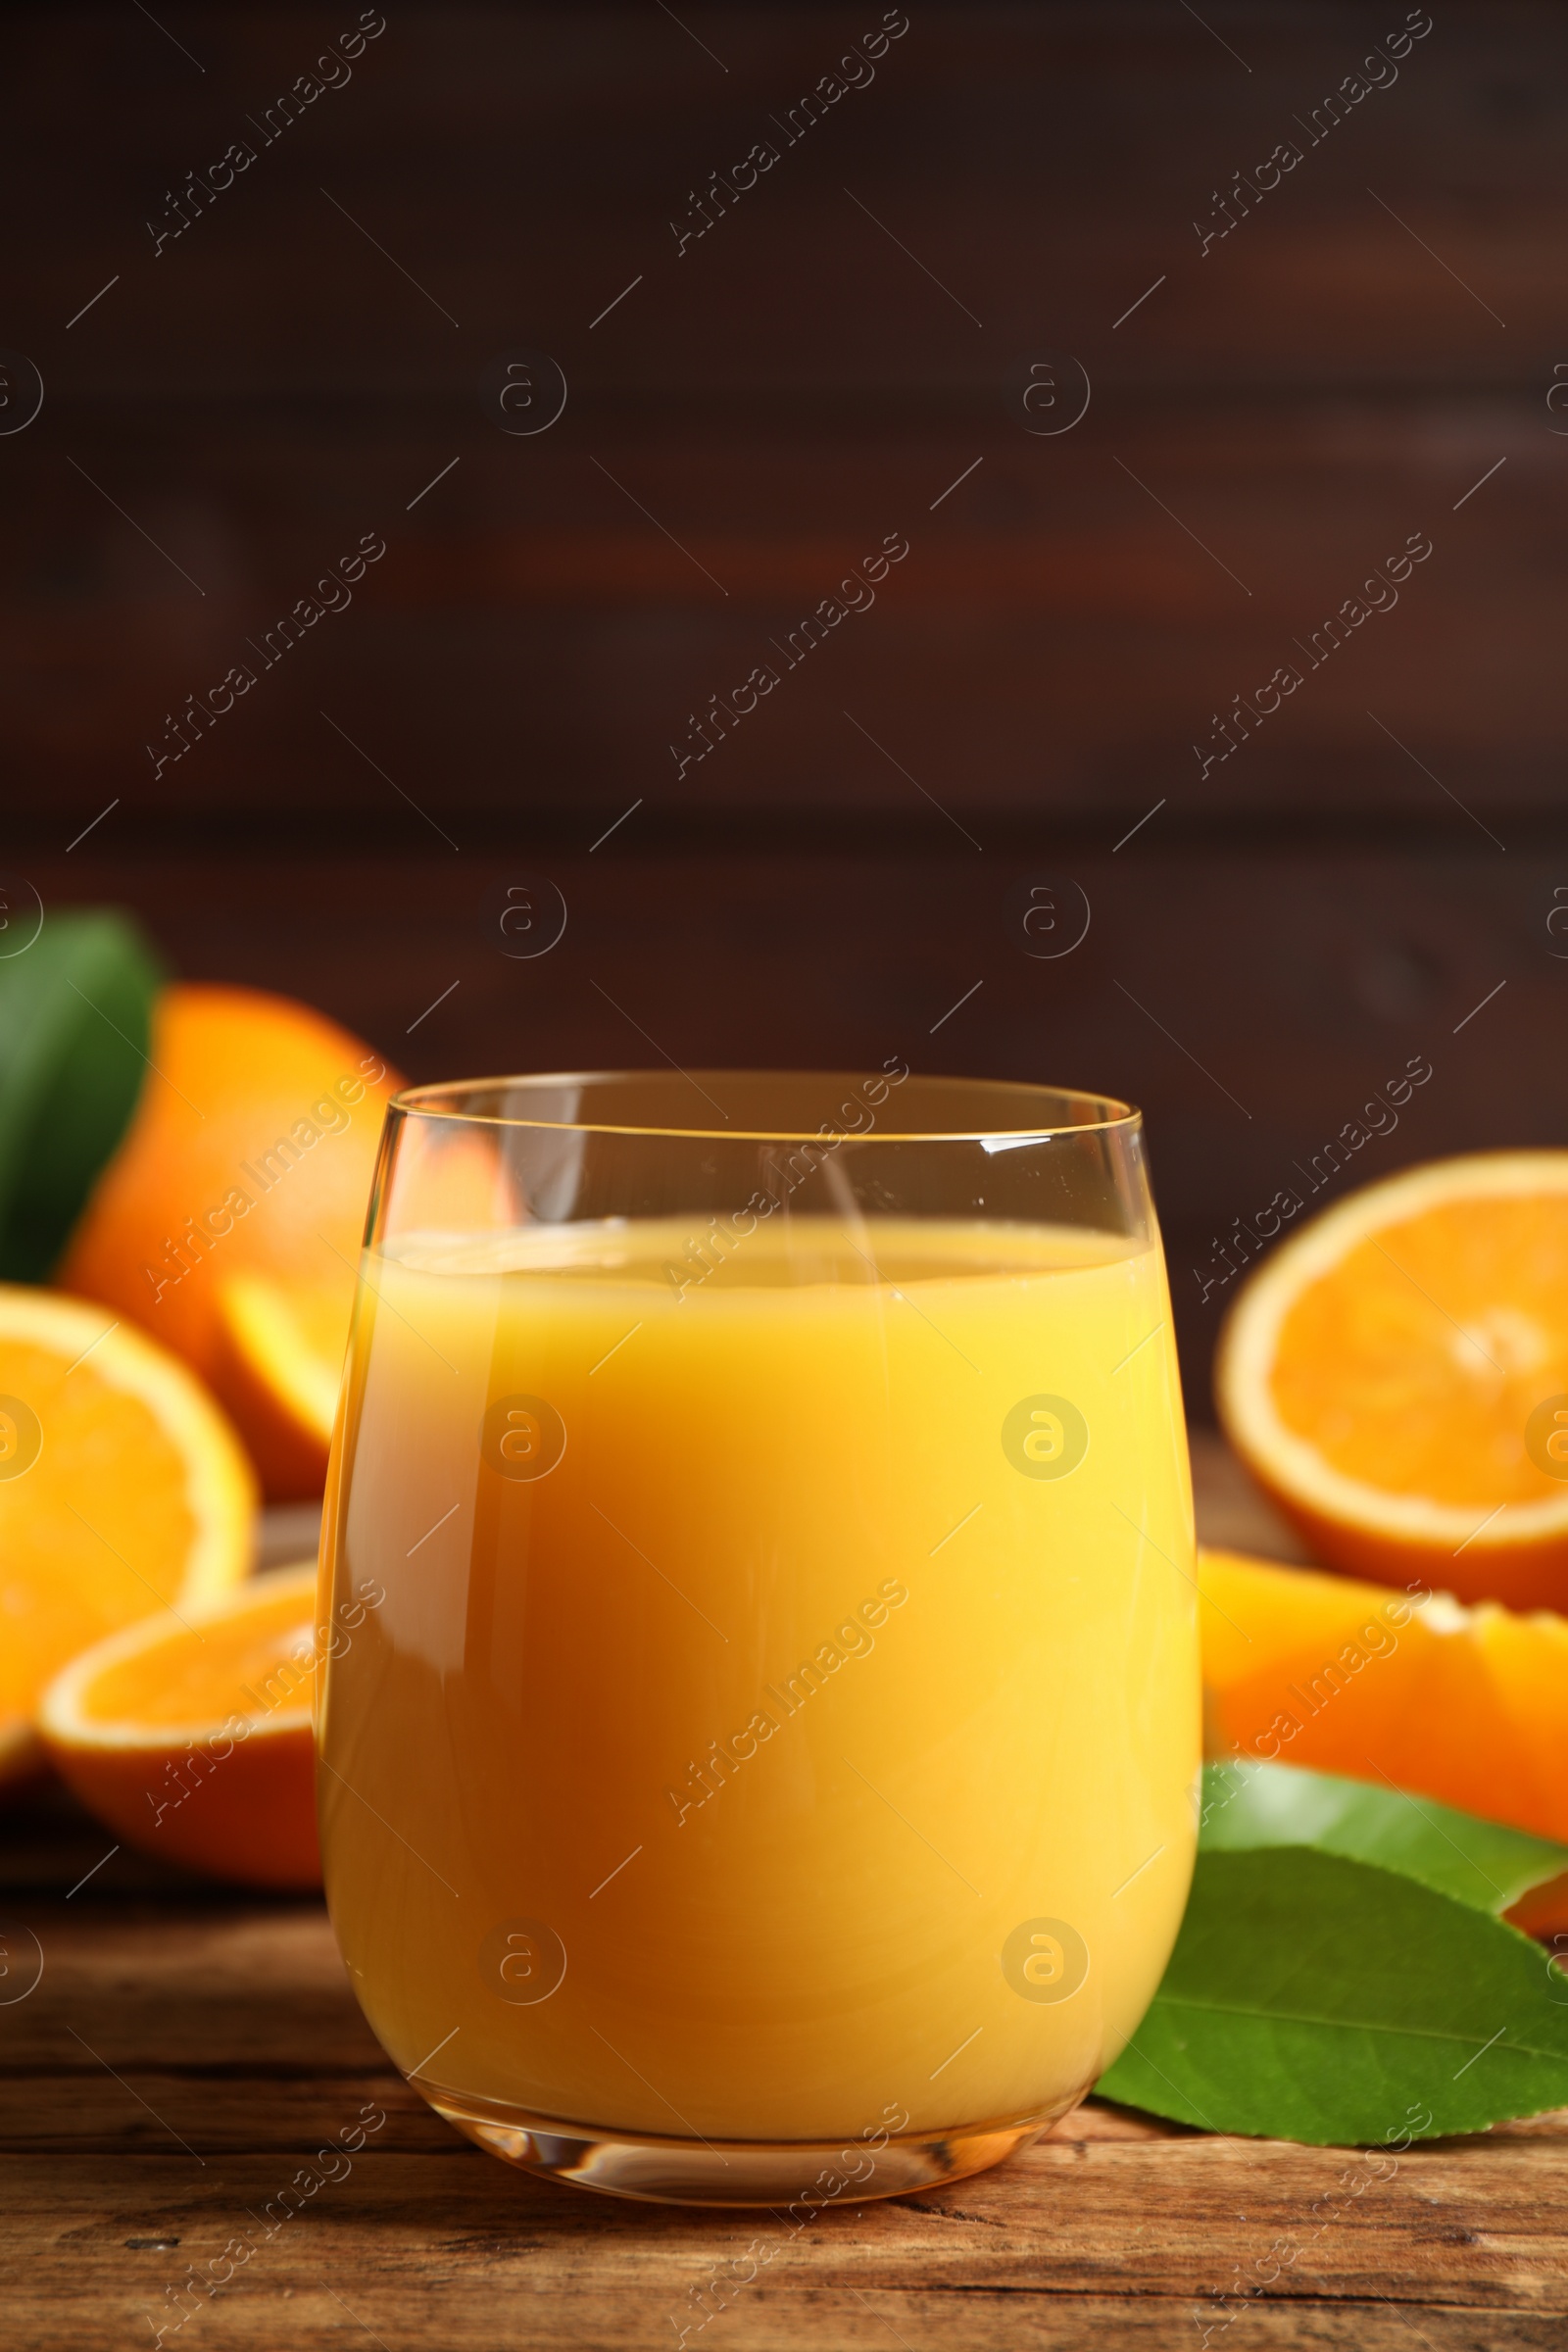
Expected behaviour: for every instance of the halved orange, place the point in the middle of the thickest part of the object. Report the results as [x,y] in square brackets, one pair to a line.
[123,1490]
[192,1740]
[1468,1705]
[1395,1378]
[280,1359]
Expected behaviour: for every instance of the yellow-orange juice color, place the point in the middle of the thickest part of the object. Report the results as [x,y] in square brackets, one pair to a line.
[784,1708]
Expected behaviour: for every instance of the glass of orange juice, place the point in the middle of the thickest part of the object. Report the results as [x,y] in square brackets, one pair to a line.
[765,1771]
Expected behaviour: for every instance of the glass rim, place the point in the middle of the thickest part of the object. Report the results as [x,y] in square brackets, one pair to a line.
[443,1099]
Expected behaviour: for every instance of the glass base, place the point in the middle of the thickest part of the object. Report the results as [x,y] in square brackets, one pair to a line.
[808,2174]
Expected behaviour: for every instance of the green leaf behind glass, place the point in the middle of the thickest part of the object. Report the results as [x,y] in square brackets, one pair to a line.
[1482,1863]
[76,1014]
[1314,1997]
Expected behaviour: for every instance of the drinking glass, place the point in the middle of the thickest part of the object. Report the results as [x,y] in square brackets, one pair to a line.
[764,1767]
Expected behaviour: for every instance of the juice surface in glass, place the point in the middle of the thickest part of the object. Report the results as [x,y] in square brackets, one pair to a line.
[782,1712]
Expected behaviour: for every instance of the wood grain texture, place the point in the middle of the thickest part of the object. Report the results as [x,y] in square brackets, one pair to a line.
[439,2249]
[1052,641]
[761,407]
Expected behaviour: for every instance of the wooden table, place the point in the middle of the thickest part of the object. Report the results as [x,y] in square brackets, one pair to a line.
[184,2054]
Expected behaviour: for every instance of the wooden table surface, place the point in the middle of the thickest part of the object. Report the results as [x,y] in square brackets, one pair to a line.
[185,2053]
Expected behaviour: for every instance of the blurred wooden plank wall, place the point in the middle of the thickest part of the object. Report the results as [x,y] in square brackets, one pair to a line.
[1289,405]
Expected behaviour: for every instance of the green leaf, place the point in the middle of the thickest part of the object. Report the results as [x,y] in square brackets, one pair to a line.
[1314,1997]
[1482,1863]
[75,1010]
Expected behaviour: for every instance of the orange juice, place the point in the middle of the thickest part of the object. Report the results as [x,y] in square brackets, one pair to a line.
[783,1710]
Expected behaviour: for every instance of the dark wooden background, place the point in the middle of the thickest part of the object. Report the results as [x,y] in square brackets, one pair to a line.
[1275,942]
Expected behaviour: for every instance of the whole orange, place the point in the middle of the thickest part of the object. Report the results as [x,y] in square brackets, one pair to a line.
[251,1151]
